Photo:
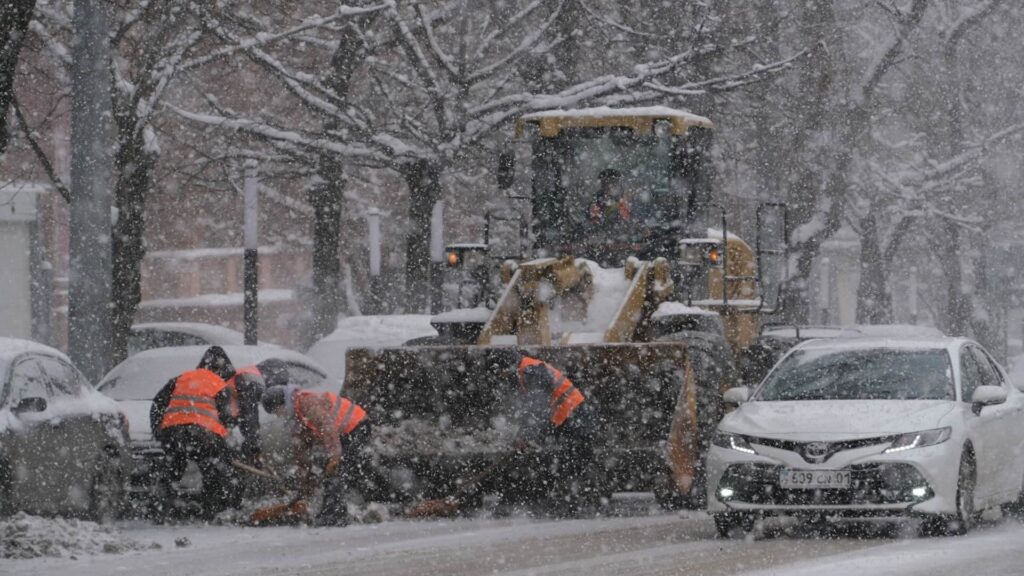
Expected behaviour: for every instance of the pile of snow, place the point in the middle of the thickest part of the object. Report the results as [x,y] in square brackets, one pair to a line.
[423,437]
[367,332]
[23,536]
[610,287]
[666,309]
[478,314]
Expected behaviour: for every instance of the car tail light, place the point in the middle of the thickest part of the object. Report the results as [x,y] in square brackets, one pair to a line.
[124,424]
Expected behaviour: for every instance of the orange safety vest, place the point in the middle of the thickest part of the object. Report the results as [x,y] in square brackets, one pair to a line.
[565,397]
[347,414]
[235,410]
[193,402]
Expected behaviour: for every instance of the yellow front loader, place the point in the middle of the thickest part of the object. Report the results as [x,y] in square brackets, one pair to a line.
[646,314]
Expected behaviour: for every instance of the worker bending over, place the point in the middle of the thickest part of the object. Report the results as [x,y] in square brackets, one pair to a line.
[553,445]
[190,417]
[334,423]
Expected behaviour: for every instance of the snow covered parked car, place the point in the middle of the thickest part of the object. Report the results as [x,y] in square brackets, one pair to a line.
[164,334]
[871,427]
[63,445]
[367,331]
[134,382]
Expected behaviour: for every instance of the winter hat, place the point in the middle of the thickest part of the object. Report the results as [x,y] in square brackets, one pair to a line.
[274,371]
[276,396]
[216,360]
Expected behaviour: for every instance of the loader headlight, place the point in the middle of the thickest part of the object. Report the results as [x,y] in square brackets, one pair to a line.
[453,258]
[919,439]
[733,442]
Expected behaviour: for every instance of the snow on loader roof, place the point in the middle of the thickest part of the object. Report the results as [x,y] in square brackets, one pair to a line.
[551,122]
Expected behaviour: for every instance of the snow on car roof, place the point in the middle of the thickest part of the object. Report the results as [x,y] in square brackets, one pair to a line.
[140,376]
[854,331]
[867,342]
[209,332]
[87,400]
[367,331]
[10,348]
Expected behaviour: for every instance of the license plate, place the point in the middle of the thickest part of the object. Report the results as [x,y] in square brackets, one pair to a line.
[814,479]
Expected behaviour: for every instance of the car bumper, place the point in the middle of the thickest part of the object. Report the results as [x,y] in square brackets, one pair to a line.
[881,484]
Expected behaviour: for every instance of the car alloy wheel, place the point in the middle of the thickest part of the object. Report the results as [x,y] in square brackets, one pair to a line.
[963,520]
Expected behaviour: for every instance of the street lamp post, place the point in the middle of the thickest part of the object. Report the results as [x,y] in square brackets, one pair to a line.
[251,274]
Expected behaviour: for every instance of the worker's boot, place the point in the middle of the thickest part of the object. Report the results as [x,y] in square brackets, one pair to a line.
[334,509]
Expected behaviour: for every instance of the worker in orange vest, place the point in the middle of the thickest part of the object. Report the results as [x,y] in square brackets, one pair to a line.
[553,443]
[247,385]
[190,416]
[340,427]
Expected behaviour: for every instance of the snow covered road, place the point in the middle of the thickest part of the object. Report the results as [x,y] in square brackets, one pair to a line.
[660,544]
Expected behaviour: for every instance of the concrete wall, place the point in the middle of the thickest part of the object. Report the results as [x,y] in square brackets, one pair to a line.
[17,218]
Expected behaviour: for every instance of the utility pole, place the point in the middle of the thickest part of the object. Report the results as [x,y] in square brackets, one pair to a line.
[374,242]
[436,256]
[824,290]
[89,288]
[251,305]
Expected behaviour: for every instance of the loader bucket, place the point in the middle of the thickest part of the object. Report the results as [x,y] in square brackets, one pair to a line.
[442,412]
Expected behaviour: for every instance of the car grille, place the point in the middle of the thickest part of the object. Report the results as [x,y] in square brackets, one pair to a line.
[883,483]
[831,448]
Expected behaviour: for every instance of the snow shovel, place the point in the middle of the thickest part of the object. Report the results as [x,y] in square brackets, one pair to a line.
[287,514]
[256,471]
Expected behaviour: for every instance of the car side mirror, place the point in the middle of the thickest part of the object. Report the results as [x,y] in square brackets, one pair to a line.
[737,395]
[505,171]
[31,404]
[987,396]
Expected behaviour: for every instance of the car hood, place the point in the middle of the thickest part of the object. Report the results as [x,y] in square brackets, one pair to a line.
[137,412]
[835,419]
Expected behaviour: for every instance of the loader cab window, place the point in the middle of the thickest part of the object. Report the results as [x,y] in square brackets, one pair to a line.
[604,193]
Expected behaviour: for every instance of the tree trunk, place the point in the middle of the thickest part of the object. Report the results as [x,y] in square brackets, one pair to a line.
[328,196]
[874,303]
[423,179]
[15,16]
[135,167]
[958,305]
[326,199]
[90,241]
[806,186]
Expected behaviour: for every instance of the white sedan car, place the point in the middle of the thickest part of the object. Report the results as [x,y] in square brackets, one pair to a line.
[134,382]
[866,427]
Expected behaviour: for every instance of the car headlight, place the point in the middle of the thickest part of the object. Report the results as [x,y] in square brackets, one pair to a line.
[919,439]
[733,442]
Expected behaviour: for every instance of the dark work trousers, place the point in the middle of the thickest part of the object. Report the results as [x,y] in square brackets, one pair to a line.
[553,478]
[210,453]
[353,472]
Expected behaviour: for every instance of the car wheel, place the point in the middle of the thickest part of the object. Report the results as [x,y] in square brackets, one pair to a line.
[107,491]
[963,520]
[1015,509]
[734,524]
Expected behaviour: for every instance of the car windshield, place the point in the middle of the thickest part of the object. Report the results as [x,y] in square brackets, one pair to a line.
[873,374]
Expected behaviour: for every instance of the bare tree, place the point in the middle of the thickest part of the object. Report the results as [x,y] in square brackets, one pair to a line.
[15,16]
[440,80]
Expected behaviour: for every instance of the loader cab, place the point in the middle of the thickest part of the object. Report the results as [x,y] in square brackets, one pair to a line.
[612,183]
